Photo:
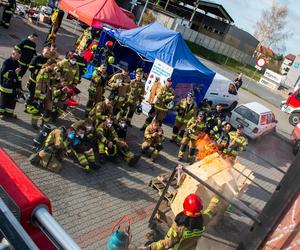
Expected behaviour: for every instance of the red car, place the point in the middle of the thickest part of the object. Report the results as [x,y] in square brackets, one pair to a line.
[295,138]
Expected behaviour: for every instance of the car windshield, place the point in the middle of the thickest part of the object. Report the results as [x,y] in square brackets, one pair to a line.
[248,114]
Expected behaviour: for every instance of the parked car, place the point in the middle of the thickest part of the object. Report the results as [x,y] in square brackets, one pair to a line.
[256,118]
[292,106]
[295,138]
[222,90]
[20,10]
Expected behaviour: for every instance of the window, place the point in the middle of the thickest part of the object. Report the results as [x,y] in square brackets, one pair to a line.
[247,114]
[263,119]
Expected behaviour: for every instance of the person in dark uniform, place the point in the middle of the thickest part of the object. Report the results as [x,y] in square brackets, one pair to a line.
[8,11]
[34,68]
[28,51]
[216,117]
[10,85]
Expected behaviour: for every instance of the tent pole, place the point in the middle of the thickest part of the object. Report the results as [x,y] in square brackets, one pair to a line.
[143,12]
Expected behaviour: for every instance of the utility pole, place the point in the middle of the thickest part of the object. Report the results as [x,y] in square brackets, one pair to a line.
[144,9]
[194,12]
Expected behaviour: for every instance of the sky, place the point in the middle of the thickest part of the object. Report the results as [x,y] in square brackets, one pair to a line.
[246,13]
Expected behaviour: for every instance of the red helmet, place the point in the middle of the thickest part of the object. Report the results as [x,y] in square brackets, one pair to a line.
[192,206]
[109,44]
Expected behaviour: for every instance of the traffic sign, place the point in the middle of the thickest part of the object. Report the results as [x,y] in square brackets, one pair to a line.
[260,62]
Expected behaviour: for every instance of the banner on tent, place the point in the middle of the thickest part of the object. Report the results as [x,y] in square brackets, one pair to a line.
[161,70]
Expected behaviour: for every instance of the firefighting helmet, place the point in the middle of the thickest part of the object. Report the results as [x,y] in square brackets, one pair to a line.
[94,47]
[109,44]
[32,109]
[170,105]
[138,109]
[192,206]
[139,70]
[111,60]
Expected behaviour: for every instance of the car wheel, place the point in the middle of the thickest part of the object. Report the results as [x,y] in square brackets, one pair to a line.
[296,148]
[294,119]
[233,106]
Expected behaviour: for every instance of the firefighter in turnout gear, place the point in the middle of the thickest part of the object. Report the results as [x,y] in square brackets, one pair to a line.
[120,84]
[10,85]
[195,128]
[186,109]
[220,136]
[90,134]
[238,142]
[43,94]
[135,96]
[8,11]
[205,106]
[97,87]
[55,146]
[81,64]
[68,72]
[83,40]
[110,144]
[153,138]
[189,225]
[216,117]
[34,68]
[162,104]
[101,111]
[28,51]
[81,150]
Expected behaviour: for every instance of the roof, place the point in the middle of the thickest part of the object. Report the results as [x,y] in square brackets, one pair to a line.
[264,50]
[290,57]
[96,12]
[210,7]
[257,107]
[166,45]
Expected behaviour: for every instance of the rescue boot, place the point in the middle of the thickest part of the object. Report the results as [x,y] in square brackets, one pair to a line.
[134,160]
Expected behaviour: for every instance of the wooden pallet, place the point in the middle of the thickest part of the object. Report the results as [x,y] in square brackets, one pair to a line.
[159,183]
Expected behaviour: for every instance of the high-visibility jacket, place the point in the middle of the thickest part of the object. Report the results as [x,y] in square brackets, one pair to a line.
[149,135]
[164,97]
[28,51]
[221,138]
[36,65]
[67,73]
[194,128]
[215,118]
[43,89]
[9,81]
[100,112]
[137,91]
[123,90]
[237,143]
[185,111]
[106,134]
[98,80]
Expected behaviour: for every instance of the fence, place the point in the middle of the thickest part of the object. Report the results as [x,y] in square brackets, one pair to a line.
[214,45]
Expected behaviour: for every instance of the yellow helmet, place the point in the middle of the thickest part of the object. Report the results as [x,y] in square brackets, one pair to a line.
[94,47]
[111,60]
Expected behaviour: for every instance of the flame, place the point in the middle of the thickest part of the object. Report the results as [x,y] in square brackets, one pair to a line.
[205,146]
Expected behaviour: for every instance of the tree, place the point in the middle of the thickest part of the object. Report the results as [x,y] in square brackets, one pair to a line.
[270,29]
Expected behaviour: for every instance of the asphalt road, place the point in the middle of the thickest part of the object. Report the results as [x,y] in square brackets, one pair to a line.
[89,205]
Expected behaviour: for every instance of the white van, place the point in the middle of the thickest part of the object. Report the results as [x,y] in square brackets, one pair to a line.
[222,90]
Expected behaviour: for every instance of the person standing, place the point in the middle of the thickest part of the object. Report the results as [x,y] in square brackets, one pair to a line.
[10,85]
[28,51]
[8,11]
[186,109]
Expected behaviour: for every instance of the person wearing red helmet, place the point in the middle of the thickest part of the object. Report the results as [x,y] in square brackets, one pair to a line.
[188,225]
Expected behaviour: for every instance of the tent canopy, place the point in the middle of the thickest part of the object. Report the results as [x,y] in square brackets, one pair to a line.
[96,12]
[155,41]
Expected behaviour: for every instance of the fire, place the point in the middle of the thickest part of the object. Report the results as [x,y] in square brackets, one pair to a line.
[205,147]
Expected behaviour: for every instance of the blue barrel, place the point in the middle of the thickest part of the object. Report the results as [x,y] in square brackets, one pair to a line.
[118,240]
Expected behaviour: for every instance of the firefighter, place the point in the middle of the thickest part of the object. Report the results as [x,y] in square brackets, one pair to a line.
[43,95]
[90,135]
[188,226]
[28,51]
[121,127]
[8,11]
[34,68]
[220,136]
[10,85]
[205,106]
[120,84]
[238,82]
[110,145]
[106,54]
[238,142]
[56,20]
[81,150]
[164,102]
[81,64]
[186,109]
[101,111]
[97,87]
[153,138]
[195,128]
[53,51]
[135,96]
[68,72]
[56,144]
[83,40]
[216,117]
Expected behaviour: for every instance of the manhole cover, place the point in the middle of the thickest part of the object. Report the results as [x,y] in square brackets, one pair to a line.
[14,36]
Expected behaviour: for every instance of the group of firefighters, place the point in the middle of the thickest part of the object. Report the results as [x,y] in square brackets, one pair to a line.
[52,86]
